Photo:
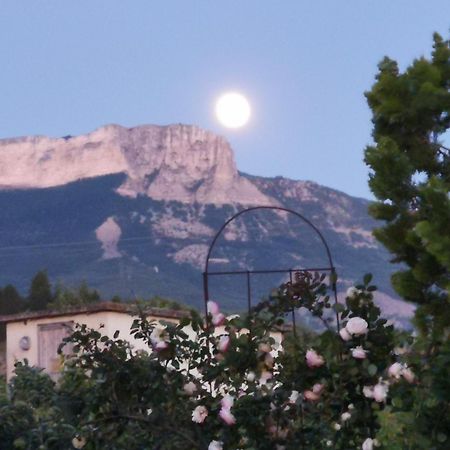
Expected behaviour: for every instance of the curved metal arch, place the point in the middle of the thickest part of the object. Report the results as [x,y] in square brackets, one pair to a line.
[279,208]
[331,268]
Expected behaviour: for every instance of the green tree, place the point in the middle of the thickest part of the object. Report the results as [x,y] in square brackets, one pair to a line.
[66,298]
[10,300]
[40,294]
[10,303]
[410,177]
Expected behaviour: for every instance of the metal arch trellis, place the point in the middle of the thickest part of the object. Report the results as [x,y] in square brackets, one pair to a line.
[207,273]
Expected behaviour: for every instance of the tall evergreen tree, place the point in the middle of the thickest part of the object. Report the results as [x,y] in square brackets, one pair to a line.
[10,303]
[10,300]
[40,291]
[410,177]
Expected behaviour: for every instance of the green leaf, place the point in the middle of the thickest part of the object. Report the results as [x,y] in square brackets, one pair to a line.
[372,369]
[367,278]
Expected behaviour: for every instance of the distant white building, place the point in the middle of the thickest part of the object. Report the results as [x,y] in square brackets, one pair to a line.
[36,336]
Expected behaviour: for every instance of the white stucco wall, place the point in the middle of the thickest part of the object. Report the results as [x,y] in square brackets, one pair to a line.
[111,320]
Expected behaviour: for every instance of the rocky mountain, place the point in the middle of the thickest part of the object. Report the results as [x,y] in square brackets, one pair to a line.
[152,157]
[133,211]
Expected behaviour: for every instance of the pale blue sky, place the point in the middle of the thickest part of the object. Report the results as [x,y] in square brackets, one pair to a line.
[68,67]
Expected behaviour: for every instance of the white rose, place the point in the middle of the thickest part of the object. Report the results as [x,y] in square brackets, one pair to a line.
[78,442]
[251,376]
[336,426]
[293,397]
[359,352]
[345,416]
[190,388]
[215,445]
[367,444]
[352,292]
[368,391]
[357,326]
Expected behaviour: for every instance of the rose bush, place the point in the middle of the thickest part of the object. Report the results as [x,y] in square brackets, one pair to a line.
[231,389]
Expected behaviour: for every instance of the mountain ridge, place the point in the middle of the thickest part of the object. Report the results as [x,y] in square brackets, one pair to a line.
[150,155]
[151,223]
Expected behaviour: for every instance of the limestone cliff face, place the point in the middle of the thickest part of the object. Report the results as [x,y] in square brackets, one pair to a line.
[175,162]
[40,161]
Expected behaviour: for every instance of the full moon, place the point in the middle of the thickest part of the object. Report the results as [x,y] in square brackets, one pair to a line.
[233,110]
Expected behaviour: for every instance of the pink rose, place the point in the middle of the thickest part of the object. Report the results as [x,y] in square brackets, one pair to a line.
[359,352]
[265,376]
[227,401]
[213,308]
[318,388]
[395,370]
[161,345]
[345,335]
[357,326]
[311,396]
[224,343]
[380,391]
[268,361]
[199,414]
[408,375]
[218,319]
[264,348]
[313,359]
[226,415]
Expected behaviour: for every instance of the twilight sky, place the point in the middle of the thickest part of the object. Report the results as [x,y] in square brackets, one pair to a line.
[68,67]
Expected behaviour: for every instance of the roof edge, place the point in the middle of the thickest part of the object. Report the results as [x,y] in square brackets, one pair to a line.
[92,308]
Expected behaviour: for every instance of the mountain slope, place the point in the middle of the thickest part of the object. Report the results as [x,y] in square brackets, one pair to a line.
[141,223]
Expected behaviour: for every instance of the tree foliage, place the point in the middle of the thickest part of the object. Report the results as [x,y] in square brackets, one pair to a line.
[65,298]
[410,177]
[10,303]
[40,294]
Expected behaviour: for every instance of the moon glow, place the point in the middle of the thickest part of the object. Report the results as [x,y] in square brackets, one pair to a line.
[233,110]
